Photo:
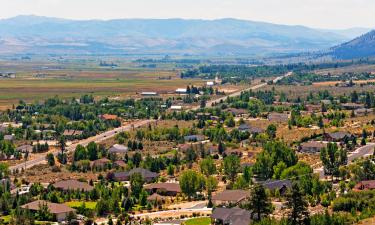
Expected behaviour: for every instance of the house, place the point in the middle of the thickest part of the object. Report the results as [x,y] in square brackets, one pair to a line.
[231,216]
[72,133]
[236,152]
[181,91]
[108,117]
[176,107]
[278,117]
[313,108]
[232,197]
[72,185]
[312,147]
[280,185]
[237,112]
[244,127]
[352,106]
[365,185]
[60,211]
[155,197]
[147,175]
[118,149]
[149,94]
[100,163]
[336,136]
[25,148]
[362,111]
[9,137]
[119,164]
[326,102]
[194,138]
[168,189]
[210,83]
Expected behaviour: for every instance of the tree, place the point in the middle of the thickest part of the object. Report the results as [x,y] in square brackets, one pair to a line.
[221,148]
[208,166]
[136,184]
[298,206]
[271,131]
[50,159]
[62,144]
[92,151]
[80,153]
[259,203]
[137,158]
[191,182]
[332,158]
[232,166]
[211,184]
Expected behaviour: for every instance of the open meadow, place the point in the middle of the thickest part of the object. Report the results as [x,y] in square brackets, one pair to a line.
[33,83]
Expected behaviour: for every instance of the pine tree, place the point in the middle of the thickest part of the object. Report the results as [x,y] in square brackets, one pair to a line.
[298,206]
[260,205]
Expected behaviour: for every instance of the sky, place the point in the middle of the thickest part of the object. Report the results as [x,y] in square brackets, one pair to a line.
[331,14]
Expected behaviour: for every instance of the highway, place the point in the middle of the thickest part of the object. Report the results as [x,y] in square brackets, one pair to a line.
[111,133]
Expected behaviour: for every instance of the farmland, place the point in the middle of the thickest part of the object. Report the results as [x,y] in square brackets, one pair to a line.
[70,81]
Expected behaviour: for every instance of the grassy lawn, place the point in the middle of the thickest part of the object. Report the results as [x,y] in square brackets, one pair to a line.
[6,219]
[199,221]
[76,204]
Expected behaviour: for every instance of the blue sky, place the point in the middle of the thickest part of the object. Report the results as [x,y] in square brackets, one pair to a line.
[313,13]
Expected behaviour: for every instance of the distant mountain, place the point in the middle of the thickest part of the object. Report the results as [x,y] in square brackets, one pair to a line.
[43,35]
[361,47]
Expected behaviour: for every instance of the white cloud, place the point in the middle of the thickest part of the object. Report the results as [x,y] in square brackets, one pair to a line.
[315,13]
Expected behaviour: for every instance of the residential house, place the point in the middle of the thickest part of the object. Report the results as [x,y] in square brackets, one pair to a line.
[352,106]
[118,149]
[168,189]
[194,138]
[72,134]
[238,112]
[149,94]
[312,147]
[232,197]
[108,117]
[278,185]
[60,211]
[9,137]
[181,91]
[278,117]
[147,175]
[72,185]
[231,216]
[119,164]
[362,111]
[365,185]
[25,148]
[337,136]
[100,163]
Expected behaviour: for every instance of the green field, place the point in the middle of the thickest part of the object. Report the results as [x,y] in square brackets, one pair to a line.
[198,221]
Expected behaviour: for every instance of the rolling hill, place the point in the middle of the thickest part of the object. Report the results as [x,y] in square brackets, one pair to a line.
[43,35]
[361,47]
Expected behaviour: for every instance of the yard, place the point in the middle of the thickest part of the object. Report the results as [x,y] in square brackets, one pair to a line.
[198,221]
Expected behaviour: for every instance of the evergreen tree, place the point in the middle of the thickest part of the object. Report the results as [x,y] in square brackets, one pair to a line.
[297,205]
[259,204]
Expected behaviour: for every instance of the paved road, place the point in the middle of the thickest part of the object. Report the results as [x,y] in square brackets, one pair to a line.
[364,151]
[98,138]
[111,133]
[210,103]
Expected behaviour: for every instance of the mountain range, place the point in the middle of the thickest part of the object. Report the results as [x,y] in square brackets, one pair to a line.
[44,35]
